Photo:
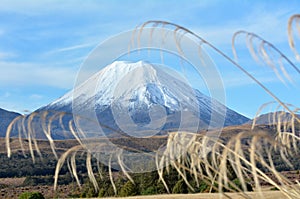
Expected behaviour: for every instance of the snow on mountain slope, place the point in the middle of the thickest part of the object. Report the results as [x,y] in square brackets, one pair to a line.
[141,80]
[144,96]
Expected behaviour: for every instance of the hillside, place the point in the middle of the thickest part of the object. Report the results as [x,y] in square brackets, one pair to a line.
[5,118]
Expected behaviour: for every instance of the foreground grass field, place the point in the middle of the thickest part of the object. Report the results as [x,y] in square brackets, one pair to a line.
[41,179]
[266,195]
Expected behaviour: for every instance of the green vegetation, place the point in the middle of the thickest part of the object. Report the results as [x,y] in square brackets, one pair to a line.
[144,184]
[41,173]
[20,166]
[128,189]
[180,187]
[31,195]
[274,189]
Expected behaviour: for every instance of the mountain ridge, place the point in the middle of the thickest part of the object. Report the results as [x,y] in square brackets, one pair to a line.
[272,118]
[6,117]
[131,91]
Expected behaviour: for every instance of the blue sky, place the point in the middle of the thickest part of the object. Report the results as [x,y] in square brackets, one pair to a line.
[43,43]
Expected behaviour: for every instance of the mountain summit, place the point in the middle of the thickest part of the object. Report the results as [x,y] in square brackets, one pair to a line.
[143,99]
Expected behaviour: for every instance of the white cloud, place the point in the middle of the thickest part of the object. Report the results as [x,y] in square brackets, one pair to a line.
[75,47]
[28,74]
[6,55]
[36,97]
[270,25]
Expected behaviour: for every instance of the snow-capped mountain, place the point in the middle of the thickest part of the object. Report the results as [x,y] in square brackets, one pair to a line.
[144,99]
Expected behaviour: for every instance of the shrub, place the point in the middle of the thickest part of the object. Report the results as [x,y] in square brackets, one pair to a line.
[101,193]
[203,187]
[180,187]
[238,184]
[129,189]
[88,192]
[274,189]
[31,195]
[152,190]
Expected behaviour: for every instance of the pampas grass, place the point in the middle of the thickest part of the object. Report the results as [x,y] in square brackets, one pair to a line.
[26,126]
[201,156]
[293,20]
[263,51]
[213,167]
